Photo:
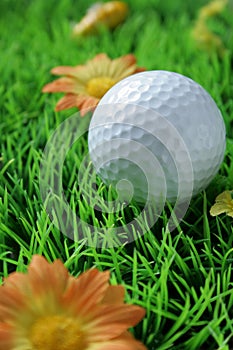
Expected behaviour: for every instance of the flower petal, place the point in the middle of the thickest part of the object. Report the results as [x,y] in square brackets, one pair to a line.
[66,70]
[82,102]
[128,60]
[47,283]
[224,197]
[124,342]
[100,56]
[6,340]
[45,276]
[139,69]
[89,104]
[99,66]
[125,66]
[13,295]
[66,102]
[86,292]
[110,321]
[224,204]
[114,295]
[218,209]
[60,85]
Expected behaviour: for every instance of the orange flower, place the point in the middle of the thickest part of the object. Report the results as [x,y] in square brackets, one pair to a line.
[48,309]
[108,14]
[85,85]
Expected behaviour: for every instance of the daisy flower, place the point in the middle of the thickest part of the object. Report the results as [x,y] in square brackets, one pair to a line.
[47,309]
[224,204]
[85,85]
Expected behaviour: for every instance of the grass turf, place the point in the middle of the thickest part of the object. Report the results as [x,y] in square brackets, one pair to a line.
[184,278]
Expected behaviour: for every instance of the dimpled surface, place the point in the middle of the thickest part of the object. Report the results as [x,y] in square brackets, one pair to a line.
[162,132]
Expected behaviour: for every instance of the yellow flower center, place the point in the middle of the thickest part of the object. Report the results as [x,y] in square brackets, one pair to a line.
[57,333]
[97,87]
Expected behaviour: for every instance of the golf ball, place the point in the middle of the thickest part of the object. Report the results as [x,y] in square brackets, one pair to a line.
[157,135]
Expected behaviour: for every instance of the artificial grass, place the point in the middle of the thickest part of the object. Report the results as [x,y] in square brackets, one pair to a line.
[183,278]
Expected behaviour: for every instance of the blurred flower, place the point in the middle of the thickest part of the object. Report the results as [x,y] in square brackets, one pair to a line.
[108,14]
[224,204]
[48,309]
[207,40]
[212,9]
[85,85]
[204,37]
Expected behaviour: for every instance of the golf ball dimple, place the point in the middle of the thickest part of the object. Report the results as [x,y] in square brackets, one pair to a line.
[162,132]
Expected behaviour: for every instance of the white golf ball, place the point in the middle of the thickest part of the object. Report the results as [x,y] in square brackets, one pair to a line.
[157,135]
